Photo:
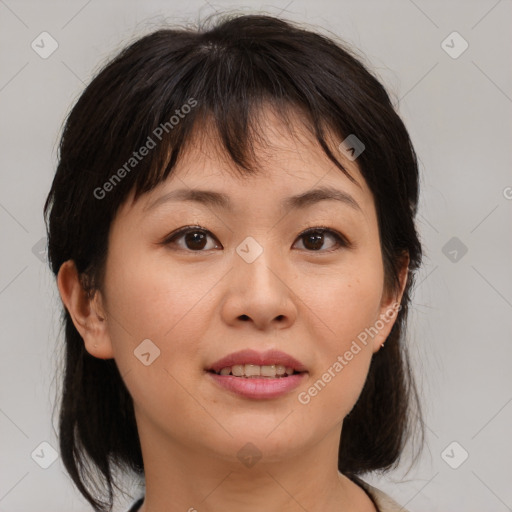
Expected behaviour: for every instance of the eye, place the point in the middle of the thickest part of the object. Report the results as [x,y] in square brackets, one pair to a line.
[314,239]
[194,238]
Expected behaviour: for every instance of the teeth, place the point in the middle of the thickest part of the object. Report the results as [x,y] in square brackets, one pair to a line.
[268,371]
[280,369]
[253,370]
[237,370]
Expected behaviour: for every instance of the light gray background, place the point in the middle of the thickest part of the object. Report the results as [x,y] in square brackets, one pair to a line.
[458,112]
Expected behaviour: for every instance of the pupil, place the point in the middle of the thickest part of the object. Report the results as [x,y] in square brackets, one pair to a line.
[317,241]
[195,240]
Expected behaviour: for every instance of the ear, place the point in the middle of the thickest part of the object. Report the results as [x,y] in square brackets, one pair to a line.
[389,308]
[87,313]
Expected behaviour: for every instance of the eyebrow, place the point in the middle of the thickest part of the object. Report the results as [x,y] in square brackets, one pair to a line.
[222,201]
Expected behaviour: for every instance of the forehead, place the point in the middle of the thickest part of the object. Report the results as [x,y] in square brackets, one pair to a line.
[288,159]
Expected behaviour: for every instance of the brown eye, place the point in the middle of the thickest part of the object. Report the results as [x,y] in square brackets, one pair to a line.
[194,239]
[314,239]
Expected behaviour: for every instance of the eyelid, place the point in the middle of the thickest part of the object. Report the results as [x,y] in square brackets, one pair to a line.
[183,230]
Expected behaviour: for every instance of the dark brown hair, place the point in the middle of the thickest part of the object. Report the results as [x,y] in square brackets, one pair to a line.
[225,74]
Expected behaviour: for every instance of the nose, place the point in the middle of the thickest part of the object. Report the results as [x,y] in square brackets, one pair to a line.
[260,293]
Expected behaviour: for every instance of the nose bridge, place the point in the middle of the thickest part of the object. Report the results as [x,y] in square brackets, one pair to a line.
[258,264]
[259,291]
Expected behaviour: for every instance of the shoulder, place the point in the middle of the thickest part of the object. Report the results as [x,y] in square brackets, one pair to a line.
[383,502]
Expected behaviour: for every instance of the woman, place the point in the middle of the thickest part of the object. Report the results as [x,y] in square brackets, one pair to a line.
[231,226]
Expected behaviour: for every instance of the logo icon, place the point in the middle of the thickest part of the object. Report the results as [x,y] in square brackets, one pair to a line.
[454,249]
[146,352]
[44,45]
[454,455]
[249,455]
[249,249]
[454,45]
[351,147]
[39,250]
[44,455]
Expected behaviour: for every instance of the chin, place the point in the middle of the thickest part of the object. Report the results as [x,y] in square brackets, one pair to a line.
[271,441]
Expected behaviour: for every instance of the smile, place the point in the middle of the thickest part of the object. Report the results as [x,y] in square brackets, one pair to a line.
[257,375]
[251,371]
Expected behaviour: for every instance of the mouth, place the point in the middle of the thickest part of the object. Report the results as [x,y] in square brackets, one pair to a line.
[250,364]
[253,371]
[255,375]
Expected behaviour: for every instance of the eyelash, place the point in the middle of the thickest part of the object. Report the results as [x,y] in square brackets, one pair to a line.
[341,240]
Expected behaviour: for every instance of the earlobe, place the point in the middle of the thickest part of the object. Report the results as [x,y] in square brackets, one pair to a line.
[86,312]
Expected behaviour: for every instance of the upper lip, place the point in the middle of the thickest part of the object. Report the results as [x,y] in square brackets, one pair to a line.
[248,356]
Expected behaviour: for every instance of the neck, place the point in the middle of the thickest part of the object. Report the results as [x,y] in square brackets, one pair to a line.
[188,478]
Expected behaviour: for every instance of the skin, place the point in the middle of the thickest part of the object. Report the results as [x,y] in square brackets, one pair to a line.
[197,307]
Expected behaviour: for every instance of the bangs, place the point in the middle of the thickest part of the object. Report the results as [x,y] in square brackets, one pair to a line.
[219,86]
[142,111]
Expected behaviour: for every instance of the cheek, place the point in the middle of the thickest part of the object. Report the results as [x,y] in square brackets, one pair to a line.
[149,299]
[348,301]
[347,305]
[152,297]
[148,295]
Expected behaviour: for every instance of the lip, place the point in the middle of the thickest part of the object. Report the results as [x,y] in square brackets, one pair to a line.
[258,358]
[258,388]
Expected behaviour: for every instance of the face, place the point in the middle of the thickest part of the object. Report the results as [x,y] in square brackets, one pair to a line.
[255,275]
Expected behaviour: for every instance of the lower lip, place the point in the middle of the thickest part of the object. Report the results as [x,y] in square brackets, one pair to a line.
[258,388]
